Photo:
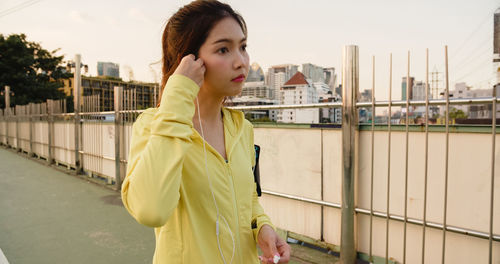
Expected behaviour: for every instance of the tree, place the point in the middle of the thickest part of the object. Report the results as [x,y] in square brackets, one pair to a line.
[33,73]
[457,114]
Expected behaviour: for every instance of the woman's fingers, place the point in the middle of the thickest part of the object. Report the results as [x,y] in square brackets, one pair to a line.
[192,68]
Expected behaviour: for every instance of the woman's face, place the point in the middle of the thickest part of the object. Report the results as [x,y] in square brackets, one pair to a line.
[225,57]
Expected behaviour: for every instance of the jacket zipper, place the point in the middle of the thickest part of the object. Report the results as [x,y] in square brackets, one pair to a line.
[235,209]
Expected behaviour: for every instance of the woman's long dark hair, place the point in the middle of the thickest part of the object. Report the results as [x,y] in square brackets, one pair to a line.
[188,29]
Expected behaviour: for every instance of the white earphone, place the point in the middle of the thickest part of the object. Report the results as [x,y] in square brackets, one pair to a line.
[213,195]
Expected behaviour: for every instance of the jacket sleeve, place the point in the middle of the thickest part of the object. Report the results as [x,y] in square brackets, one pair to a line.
[150,190]
[259,218]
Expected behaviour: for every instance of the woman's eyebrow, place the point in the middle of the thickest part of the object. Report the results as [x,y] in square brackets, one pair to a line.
[227,40]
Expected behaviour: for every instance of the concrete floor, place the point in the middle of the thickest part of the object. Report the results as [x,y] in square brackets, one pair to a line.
[48,216]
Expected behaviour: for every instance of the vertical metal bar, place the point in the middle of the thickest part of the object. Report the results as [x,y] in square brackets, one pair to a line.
[8,110]
[388,163]
[447,94]
[18,147]
[50,109]
[372,156]
[30,118]
[350,87]
[118,100]
[492,191]
[426,149]
[322,190]
[77,84]
[92,134]
[406,155]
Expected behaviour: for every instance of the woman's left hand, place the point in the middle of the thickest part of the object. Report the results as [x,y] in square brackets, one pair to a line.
[272,244]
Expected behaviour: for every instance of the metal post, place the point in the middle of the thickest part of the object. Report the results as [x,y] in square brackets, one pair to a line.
[408,95]
[388,164]
[447,130]
[492,190]
[426,150]
[77,82]
[372,158]
[7,113]
[118,106]
[350,87]
[30,117]
[50,110]
[18,110]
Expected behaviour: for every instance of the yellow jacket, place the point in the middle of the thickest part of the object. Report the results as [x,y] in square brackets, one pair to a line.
[166,186]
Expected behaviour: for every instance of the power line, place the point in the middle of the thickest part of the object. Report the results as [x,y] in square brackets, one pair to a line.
[467,62]
[19,7]
[475,51]
[470,72]
[473,33]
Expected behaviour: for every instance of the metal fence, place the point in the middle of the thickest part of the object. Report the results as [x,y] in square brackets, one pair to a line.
[97,143]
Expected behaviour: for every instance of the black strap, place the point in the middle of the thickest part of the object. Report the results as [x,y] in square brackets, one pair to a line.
[256,172]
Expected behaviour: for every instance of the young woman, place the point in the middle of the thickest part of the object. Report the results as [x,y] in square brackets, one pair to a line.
[189,171]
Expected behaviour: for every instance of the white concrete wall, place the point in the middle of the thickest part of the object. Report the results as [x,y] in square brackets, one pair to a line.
[291,164]
[295,161]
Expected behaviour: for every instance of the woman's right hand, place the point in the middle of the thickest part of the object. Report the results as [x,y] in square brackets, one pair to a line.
[192,68]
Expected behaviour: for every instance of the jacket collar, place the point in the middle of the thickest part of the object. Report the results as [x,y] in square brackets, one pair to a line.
[233,129]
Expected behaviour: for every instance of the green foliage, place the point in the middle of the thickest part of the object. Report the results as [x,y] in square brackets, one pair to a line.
[32,72]
[457,114]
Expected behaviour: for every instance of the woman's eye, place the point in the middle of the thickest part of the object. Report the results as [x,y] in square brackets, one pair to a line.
[222,50]
[244,47]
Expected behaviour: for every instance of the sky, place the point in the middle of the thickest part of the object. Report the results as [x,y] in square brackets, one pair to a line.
[279,31]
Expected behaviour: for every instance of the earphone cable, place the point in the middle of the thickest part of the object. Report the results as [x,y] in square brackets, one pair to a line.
[213,195]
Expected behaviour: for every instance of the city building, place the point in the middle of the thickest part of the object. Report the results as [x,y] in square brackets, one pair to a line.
[255,115]
[145,94]
[255,74]
[279,74]
[330,115]
[256,89]
[331,78]
[366,96]
[322,89]
[108,69]
[313,72]
[403,88]
[462,90]
[298,90]
[418,91]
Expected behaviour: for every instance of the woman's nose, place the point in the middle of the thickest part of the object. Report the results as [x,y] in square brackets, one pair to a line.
[239,60]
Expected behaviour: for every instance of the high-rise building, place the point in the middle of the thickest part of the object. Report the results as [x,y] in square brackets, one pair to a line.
[108,69]
[418,92]
[255,74]
[298,90]
[496,46]
[403,88]
[313,72]
[279,74]
[330,78]
[496,32]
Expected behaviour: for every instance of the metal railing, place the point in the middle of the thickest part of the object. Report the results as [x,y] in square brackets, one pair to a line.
[80,143]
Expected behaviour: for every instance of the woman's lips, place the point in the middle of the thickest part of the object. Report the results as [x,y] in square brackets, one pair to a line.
[240,78]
